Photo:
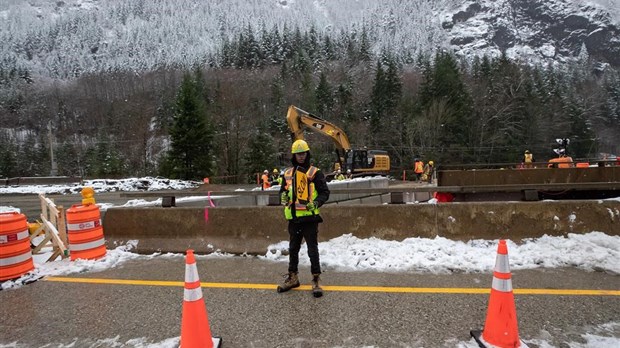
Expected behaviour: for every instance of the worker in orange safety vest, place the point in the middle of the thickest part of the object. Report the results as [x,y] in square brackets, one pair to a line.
[264,179]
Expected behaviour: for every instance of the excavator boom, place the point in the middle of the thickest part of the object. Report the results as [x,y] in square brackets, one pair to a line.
[297,117]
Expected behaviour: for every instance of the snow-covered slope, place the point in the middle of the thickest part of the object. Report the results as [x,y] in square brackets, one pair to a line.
[536,30]
[69,37]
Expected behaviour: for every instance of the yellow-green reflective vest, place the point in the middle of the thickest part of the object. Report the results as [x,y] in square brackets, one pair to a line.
[304,187]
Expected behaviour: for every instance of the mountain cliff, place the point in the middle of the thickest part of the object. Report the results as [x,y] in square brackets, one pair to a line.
[67,38]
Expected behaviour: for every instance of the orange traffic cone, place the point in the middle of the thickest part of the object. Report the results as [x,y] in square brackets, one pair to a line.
[500,328]
[195,330]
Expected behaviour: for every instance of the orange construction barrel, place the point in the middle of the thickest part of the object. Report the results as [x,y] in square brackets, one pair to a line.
[15,255]
[85,232]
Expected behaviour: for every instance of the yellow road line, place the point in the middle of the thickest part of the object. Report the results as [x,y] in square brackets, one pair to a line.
[386,289]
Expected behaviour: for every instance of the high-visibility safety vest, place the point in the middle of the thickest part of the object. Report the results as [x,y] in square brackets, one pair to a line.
[418,167]
[300,192]
[528,158]
[265,180]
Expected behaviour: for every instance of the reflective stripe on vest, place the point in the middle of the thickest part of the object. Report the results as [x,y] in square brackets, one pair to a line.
[15,259]
[6,238]
[82,226]
[87,246]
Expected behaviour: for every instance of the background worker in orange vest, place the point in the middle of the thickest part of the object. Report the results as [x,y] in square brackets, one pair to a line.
[264,179]
[418,169]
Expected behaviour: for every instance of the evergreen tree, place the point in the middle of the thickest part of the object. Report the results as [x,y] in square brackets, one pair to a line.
[324,96]
[365,54]
[344,97]
[68,160]
[191,136]
[386,123]
[8,157]
[583,143]
[377,101]
[277,123]
[260,153]
[444,83]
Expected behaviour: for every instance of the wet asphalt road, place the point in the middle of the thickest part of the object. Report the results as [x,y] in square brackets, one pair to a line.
[63,312]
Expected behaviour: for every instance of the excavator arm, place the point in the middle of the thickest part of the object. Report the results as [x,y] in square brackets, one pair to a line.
[360,161]
[297,118]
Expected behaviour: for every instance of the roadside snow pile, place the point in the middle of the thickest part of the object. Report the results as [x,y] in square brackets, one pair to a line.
[106,185]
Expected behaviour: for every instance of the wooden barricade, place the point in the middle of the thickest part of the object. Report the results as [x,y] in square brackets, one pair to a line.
[53,227]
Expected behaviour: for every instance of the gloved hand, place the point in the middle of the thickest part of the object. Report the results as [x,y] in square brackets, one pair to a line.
[284,198]
[311,206]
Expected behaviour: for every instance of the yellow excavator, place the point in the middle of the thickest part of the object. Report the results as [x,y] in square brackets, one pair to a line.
[361,162]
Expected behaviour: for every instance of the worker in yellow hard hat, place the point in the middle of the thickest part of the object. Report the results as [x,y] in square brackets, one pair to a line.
[528,159]
[275,177]
[428,172]
[303,191]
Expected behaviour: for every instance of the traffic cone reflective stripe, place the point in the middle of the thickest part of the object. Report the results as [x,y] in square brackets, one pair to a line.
[501,274]
[500,327]
[195,330]
[193,291]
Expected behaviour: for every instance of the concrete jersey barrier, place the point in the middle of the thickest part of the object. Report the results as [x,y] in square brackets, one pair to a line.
[251,230]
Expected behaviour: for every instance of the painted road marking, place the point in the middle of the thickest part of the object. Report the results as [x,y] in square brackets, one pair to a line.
[387,289]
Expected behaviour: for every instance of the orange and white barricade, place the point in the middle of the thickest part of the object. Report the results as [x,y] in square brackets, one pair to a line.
[86,240]
[15,255]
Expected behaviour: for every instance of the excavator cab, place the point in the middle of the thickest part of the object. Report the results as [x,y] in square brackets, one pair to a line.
[367,162]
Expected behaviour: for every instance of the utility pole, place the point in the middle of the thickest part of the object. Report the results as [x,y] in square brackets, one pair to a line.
[54,170]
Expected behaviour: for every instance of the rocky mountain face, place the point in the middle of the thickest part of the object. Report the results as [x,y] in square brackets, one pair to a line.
[535,30]
[72,37]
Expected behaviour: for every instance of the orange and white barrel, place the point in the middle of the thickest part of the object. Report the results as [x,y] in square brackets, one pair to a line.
[15,254]
[85,232]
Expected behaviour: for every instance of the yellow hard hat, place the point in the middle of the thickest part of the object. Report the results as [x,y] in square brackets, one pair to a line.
[431,163]
[275,170]
[527,151]
[299,146]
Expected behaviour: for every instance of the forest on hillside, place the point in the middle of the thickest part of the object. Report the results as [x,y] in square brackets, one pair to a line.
[226,118]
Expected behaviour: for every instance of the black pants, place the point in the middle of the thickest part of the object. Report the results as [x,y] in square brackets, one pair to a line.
[297,232]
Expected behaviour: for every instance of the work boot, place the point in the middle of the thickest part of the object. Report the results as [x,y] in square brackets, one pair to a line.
[291,281]
[316,287]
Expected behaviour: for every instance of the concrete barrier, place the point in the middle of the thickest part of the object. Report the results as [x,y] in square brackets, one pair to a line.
[42,180]
[252,229]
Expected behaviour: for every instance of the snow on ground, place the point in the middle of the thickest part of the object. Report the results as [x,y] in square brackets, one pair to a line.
[593,251]
[105,185]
